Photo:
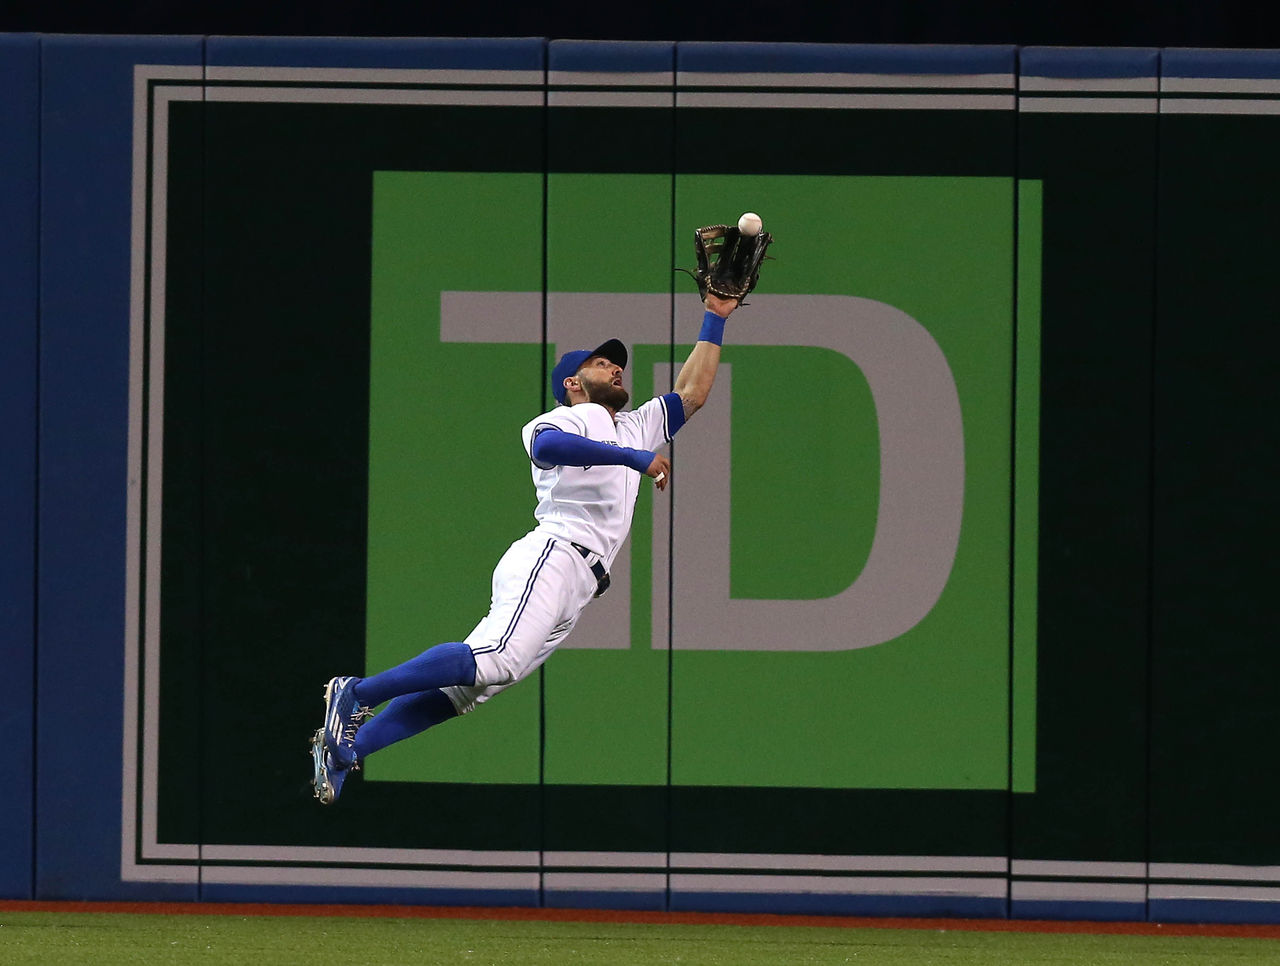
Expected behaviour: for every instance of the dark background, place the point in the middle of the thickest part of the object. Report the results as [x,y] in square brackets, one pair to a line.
[1196,23]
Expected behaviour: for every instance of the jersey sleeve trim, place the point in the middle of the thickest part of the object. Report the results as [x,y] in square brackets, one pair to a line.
[533,438]
[672,415]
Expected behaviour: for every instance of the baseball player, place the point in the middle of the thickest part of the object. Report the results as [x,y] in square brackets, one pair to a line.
[587,456]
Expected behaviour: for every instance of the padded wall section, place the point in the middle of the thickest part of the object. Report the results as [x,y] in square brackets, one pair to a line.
[19,274]
[841,735]
[89,494]
[1087,147]
[331,206]
[1213,848]
[610,139]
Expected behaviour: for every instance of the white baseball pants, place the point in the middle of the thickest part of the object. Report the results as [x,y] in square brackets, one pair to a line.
[540,586]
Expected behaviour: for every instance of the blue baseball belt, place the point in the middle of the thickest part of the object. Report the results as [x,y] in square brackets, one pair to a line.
[597,568]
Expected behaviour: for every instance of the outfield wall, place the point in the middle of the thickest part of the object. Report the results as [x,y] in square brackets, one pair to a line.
[952,607]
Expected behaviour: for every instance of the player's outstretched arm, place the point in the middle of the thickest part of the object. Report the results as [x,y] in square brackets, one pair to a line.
[555,447]
[693,385]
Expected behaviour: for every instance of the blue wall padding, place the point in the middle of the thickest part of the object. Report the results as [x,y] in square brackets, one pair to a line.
[85,216]
[1089,62]
[521,53]
[845,58]
[19,275]
[1213,910]
[608,55]
[1249,64]
[1100,911]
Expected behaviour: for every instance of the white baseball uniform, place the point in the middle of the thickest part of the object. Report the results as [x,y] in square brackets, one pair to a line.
[542,583]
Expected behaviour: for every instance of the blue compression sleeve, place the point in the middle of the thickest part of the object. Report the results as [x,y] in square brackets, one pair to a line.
[555,447]
[404,717]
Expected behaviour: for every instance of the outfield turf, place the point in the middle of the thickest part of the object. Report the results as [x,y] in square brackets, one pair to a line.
[104,939]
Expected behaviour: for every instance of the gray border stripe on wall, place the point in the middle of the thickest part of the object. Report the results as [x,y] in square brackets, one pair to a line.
[1202,105]
[847,102]
[1220,85]
[1238,873]
[369,878]
[1083,870]
[157,229]
[661,99]
[710,862]
[133,487]
[992,888]
[326,855]
[1238,893]
[840,863]
[150,342]
[767,81]
[604,78]
[374,75]
[1089,105]
[605,881]
[136,636]
[1078,891]
[1099,84]
[613,860]
[377,95]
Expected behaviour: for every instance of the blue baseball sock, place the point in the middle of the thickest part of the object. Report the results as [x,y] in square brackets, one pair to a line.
[403,718]
[436,667]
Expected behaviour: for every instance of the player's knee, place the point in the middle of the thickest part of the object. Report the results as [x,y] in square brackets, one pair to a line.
[497,670]
[464,699]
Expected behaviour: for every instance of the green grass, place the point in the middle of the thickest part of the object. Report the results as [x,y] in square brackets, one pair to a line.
[104,939]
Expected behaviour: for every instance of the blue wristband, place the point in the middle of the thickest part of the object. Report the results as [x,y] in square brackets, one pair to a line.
[712,328]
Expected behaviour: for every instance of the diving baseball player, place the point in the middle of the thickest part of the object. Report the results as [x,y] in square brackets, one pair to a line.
[587,459]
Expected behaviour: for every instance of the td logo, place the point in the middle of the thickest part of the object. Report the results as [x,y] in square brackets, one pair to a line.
[921,458]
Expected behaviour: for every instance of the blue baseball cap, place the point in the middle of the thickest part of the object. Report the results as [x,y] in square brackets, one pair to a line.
[571,362]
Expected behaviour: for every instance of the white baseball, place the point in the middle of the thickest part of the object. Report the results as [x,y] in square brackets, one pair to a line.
[750,224]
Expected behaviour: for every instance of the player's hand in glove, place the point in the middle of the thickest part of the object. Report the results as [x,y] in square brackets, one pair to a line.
[728,261]
[721,307]
[660,470]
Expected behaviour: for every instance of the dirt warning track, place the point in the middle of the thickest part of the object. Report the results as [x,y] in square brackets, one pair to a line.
[1226,930]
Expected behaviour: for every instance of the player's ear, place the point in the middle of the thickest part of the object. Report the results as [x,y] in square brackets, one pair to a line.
[571,384]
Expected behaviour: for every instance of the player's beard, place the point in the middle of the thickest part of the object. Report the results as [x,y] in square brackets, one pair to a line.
[606,394]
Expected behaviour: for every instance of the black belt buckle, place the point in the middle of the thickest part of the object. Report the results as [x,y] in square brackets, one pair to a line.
[597,568]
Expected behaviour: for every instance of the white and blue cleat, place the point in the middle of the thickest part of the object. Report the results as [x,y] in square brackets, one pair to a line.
[343,716]
[333,746]
[327,779]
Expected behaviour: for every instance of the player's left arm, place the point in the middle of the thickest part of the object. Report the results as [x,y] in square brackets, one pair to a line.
[698,374]
[555,447]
